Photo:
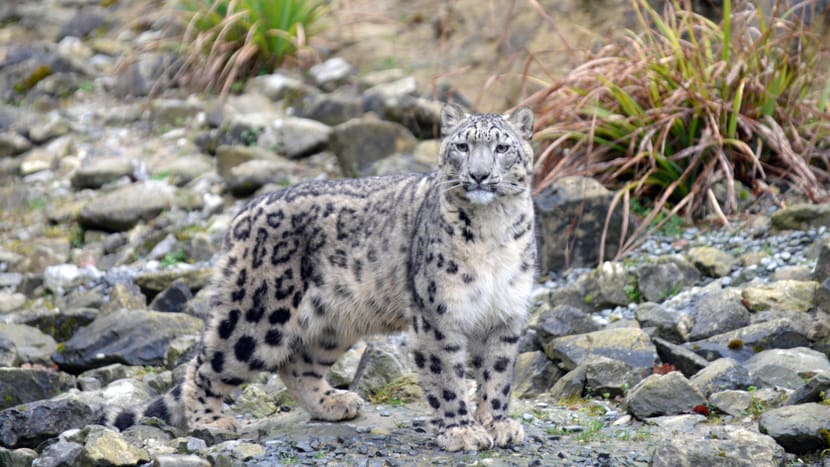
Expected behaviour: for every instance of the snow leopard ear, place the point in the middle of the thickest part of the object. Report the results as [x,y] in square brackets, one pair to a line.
[451,116]
[522,120]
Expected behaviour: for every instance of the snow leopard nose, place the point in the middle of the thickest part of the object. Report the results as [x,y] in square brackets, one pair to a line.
[479,177]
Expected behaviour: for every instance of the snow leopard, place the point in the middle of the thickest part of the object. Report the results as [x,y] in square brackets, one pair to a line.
[307,271]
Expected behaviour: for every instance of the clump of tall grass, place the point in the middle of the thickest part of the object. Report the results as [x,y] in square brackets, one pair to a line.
[226,41]
[686,103]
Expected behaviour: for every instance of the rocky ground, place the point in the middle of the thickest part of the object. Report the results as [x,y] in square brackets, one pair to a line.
[706,346]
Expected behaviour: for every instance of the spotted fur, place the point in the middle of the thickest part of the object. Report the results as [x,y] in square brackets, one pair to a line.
[309,270]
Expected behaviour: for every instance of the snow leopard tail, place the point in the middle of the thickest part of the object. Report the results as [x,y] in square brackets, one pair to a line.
[168,407]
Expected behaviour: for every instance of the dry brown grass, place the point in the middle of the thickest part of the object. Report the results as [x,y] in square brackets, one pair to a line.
[685,104]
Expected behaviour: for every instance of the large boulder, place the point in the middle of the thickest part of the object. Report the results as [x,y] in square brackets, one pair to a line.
[783,295]
[21,385]
[733,447]
[630,345]
[361,141]
[570,218]
[718,311]
[798,428]
[668,394]
[30,424]
[98,171]
[664,278]
[133,337]
[745,342]
[125,207]
[801,217]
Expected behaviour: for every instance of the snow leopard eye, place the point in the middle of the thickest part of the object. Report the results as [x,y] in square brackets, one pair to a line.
[462,147]
[502,148]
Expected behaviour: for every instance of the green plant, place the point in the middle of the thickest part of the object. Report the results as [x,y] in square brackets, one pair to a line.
[173,257]
[398,392]
[229,40]
[685,104]
[632,292]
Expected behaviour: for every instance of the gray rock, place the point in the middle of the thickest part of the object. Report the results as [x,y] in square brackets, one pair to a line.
[234,452]
[331,73]
[736,447]
[379,365]
[139,76]
[45,157]
[342,373]
[21,385]
[718,311]
[179,460]
[248,177]
[822,270]
[773,376]
[611,284]
[59,453]
[153,282]
[610,378]
[721,375]
[104,446]
[785,295]
[109,373]
[8,352]
[712,261]
[277,86]
[85,22]
[125,295]
[823,297]
[570,217]
[795,273]
[125,207]
[534,375]
[134,337]
[798,428]
[30,424]
[23,457]
[176,112]
[732,402]
[686,361]
[801,217]
[228,157]
[801,360]
[12,144]
[664,278]
[48,127]
[669,324]
[629,345]
[563,320]
[182,170]
[295,137]
[11,301]
[360,142]
[172,299]
[668,394]
[816,389]
[331,109]
[32,345]
[571,384]
[745,342]
[61,278]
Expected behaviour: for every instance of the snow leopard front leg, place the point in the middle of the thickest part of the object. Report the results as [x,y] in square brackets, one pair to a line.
[440,358]
[493,359]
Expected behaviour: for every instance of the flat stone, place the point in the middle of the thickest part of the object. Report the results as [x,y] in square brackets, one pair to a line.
[737,447]
[151,283]
[816,389]
[379,365]
[277,86]
[179,460]
[630,345]
[801,217]
[45,157]
[96,172]
[250,176]
[133,337]
[785,295]
[33,346]
[105,446]
[798,428]
[610,378]
[668,394]
[743,343]
[686,361]
[361,141]
[21,385]
[608,283]
[60,453]
[570,218]
[535,374]
[172,299]
[711,261]
[331,73]
[295,137]
[571,384]
[720,375]
[563,320]
[667,276]
[717,312]
[125,207]
[732,402]
[332,109]
[802,360]
[30,424]
[669,324]
[12,143]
